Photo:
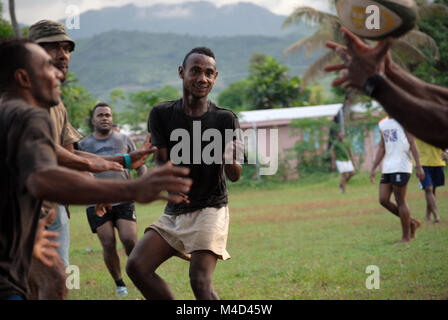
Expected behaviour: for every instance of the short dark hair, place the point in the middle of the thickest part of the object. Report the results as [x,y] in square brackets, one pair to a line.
[200,50]
[13,55]
[98,105]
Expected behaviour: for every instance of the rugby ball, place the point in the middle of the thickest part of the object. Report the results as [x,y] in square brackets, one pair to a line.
[377,19]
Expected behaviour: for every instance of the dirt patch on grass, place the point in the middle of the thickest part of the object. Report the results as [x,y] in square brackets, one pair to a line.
[291,212]
[306,210]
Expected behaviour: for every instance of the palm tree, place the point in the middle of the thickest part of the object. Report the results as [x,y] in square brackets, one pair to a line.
[405,50]
[12,13]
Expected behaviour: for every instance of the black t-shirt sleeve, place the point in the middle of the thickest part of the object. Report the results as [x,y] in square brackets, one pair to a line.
[155,127]
[236,123]
[33,138]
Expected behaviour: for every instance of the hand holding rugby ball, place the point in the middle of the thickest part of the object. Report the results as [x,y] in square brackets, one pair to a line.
[396,17]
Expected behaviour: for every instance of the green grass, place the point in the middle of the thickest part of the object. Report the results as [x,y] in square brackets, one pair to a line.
[298,240]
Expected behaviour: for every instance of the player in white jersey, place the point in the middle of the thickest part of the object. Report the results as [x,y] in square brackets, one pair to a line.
[396,147]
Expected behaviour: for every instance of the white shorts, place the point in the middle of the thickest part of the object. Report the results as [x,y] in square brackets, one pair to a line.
[344,166]
[204,229]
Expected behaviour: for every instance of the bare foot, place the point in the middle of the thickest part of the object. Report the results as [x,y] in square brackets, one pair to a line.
[404,240]
[428,217]
[436,219]
[415,224]
[342,188]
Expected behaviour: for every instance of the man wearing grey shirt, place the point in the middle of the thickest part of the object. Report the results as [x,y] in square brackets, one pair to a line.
[105,141]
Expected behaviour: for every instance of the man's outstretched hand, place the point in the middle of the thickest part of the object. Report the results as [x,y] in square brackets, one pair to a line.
[163,183]
[360,61]
[101,165]
[45,249]
[372,176]
[234,152]
[139,156]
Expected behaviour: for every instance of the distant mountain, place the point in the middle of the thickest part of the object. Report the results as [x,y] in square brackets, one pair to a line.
[194,18]
[139,61]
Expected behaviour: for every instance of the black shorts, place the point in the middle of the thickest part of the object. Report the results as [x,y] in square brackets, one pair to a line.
[399,179]
[124,211]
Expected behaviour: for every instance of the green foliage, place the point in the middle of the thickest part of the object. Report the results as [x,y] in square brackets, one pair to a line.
[311,152]
[235,96]
[79,102]
[444,2]
[139,105]
[269,85]
[338,93]
[317,96]
[5,27]
[137,61]
[25,31]
[435,72]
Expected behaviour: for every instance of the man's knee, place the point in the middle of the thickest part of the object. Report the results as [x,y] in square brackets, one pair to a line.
[384,201]
[200,281]
[108,244]
[429,190]
[399,198]
[128,244]
[132,267]
[135,268]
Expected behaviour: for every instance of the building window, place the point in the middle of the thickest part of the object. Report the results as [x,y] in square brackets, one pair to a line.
[357,139]
[376,135]
[311,138]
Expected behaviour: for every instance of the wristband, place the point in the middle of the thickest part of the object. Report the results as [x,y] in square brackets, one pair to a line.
[127,161]
[371,84]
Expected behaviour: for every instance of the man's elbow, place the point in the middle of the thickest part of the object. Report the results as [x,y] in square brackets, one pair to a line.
[37,185]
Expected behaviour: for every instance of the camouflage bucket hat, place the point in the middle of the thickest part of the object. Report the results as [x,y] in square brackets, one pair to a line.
[49,31]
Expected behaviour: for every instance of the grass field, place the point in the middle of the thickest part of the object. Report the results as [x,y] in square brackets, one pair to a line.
[303,240]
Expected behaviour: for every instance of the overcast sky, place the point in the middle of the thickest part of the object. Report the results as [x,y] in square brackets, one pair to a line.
[30,11]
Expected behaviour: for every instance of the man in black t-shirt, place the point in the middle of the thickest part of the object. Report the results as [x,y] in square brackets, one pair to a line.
[29,85]
[195,133]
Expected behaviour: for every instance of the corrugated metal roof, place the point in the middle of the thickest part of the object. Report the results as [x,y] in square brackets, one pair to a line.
[289,113]
[297,112]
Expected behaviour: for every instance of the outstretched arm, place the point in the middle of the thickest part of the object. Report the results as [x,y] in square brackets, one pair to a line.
[418,87]
[379,156]
[84,161]
[414,150]
[94,163]
[233,157]
[425,119]
[352,158]
[68,186]
[424,114]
